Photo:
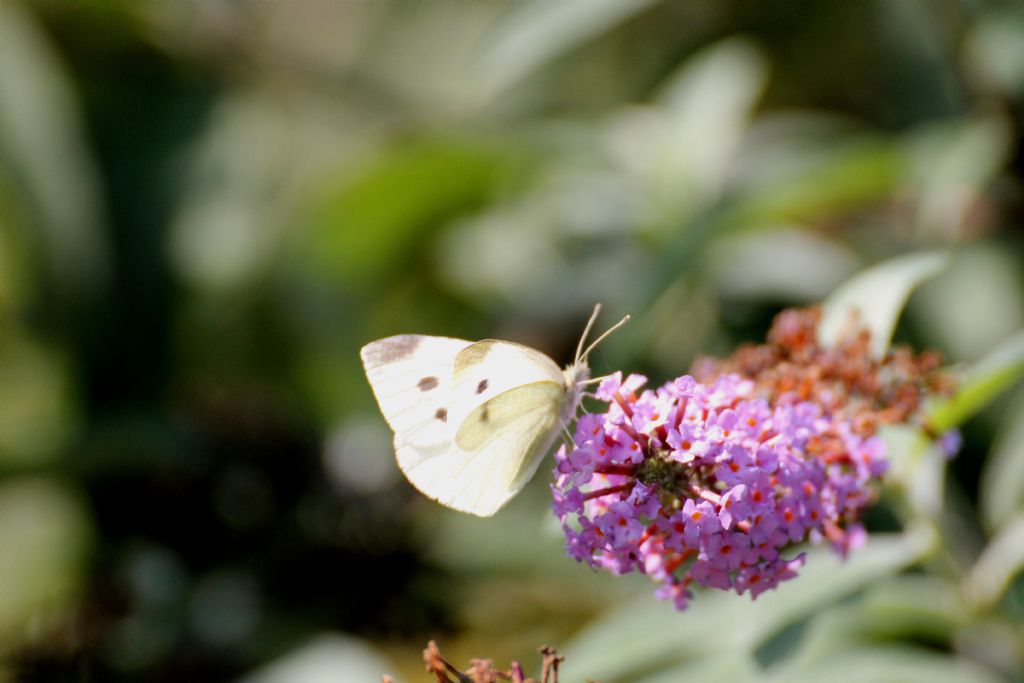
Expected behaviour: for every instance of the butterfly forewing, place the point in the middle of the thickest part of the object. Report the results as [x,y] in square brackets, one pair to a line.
[411,377]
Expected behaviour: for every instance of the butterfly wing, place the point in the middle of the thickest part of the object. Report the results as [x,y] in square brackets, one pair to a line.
[411,377]
[472,421]
[496,450]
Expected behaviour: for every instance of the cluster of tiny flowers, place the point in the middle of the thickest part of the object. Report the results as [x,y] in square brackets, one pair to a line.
[715,480]
[709,484]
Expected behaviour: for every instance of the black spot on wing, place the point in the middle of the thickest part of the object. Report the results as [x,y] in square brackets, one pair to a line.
[482,387]
[485,415]
[427,383]
[442,414]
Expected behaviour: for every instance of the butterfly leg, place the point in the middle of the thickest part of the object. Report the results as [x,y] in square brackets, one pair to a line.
[568,435]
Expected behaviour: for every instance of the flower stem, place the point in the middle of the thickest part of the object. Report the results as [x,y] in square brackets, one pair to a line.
[590,495]
[627,470]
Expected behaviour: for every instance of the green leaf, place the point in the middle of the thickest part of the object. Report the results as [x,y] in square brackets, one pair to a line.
[534,33]
[826,579]
[999,563]
[45,528]
[641,636]
[905,446]
[737,667]
[834,180]
[951,164]
[914,605]
[1002,475]
[903,664]
[981,384]
[918,468]
[874,298]
[364,228]
[332,656]
[37,408]
[976,304]
[899,608]
[684,148]
[43,143]
[994,49]
[646,634]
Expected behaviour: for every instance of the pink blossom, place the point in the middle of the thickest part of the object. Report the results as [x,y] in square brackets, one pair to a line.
[708,484]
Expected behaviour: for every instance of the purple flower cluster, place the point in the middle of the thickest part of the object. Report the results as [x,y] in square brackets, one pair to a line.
[707,483]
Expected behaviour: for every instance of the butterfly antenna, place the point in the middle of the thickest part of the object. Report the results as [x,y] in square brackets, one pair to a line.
[586,332]
[593,380]
[603,337]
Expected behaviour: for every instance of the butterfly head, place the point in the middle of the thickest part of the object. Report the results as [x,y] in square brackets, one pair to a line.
[577,375]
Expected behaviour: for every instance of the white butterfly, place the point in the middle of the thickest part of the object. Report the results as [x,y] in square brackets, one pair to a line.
[473,420]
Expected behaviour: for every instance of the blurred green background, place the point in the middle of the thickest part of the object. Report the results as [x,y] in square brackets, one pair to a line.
[206,208]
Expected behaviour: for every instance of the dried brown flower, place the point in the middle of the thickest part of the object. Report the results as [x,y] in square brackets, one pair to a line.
[483,671]
[846,380]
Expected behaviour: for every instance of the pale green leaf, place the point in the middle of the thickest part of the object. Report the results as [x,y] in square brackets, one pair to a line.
[715,667]
[994,49]
[905,447]
[645,634]
[975,305]
[999,563]
[897,608]
[535,32]
[43,144]
[831,183]
[361,229]
[873,299]
[703,110]
[980,385]
[325,657]
[825,182]
[641,635]
[1002,474]
[826,579]
[44,530]
[952,162]
[910,604]
[903,664]
[37,409]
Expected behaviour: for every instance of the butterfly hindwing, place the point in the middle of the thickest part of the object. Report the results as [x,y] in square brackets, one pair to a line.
[491,367]
[505,411]
[496,450]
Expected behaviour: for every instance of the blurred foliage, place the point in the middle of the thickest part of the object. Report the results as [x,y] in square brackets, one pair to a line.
[206,208]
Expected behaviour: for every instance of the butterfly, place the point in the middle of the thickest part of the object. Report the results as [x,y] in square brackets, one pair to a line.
[473,420]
